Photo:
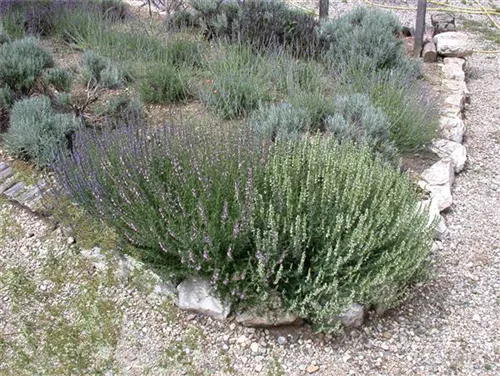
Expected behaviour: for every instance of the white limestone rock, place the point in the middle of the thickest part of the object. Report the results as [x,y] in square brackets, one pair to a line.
[440,177]
[450,149]
[452,128]
[197,295]
[453,44]
[354,317]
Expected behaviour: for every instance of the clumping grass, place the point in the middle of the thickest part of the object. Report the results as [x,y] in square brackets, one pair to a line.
[162,83]
[239,81]
[402,98]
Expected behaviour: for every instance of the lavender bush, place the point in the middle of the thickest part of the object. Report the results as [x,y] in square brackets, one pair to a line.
[181,195]
[322,225]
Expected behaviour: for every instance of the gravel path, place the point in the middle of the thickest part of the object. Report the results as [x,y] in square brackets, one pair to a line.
[64,310]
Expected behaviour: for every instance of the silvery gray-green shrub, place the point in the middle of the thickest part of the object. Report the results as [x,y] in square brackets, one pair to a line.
[57,77]
[357,120]
[22,62]
[36,133]
[280,121]
[323,225]
[100,71]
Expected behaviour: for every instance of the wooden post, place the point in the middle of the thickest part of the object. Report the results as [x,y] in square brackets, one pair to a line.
[419,28]
[323,9]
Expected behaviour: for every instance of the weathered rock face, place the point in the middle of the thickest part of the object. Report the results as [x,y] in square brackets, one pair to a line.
[452,150]
[443,22]
[451,123]
[267,318]
[270,315]
[354,317]
[440,177]
[197,295]
[435,219]
[453,43]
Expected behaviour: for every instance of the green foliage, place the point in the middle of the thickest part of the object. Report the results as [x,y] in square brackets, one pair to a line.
[100,71]
[271,24]
[323,225]
[333,226]
[36,132]
[184,53]
[22,62]
[293,76]
[122,109]
[280,121]
[59,78]
[363,38]
[6,98]
[113,9]
[404,100]
[181,20]
[261,24]
[162,83]
[4,37]
[240,81]
[317,105]
[357,120]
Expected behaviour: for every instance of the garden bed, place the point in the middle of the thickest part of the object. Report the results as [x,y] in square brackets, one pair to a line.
[256,118]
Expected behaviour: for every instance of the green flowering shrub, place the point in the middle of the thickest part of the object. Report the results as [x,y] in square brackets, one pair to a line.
[333,226]
[320,224]
[21,64]
[36,133]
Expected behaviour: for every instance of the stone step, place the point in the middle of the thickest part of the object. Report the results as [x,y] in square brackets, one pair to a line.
[6,184]
[3,166]
[15,190]
[31,198]
[6,173]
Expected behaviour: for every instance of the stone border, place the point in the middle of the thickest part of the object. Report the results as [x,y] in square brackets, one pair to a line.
[439,178]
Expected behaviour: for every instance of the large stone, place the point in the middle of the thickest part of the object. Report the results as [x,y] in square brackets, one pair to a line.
[456,101]
[354,317]
[452,128]
[456,86]
[197,295]
[440,177]
[453,71]
[436,221]
[453,44]
[443,22]
[439,173]
[453,150]
[457,61]
[270,315]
